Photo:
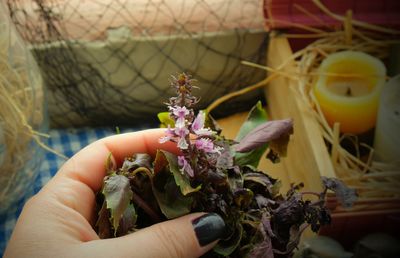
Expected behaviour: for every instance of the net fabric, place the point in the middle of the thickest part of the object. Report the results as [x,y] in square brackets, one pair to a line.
[107,62]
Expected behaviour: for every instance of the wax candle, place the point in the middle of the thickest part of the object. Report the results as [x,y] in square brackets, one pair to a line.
[387,138]
[348,89]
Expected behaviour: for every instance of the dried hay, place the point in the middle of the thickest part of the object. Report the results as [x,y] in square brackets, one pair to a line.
[21,112]
[374,181]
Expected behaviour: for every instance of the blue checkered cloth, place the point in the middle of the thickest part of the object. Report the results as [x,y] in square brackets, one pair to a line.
[64,141]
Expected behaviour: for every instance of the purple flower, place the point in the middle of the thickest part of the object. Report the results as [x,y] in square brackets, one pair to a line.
[181,132]
[204,144]
[207,146]
[198,125]
[185,166]
[180,113]
[169,134]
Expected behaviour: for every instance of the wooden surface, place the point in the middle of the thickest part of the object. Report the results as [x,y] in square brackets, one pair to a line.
[308,158]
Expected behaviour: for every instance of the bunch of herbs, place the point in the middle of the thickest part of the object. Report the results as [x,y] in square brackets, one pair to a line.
[214,174]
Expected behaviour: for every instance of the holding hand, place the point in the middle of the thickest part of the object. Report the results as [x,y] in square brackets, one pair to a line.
[57,222]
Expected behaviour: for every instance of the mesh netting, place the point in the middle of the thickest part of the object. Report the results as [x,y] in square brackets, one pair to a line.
[107,62]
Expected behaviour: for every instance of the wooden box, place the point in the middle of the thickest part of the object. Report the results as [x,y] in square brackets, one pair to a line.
[308,158]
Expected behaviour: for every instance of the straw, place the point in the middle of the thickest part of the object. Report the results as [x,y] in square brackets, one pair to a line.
[21,112]
[371,179]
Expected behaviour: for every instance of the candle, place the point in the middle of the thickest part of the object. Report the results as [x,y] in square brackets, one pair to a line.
[387,138]
[348,90]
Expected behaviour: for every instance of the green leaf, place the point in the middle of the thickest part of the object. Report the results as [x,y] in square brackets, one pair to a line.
[250,158]
[211,123]
[181,180]
[226,247]
[171,201]
[117,193]
[165,120]
[256,117]
[170,187]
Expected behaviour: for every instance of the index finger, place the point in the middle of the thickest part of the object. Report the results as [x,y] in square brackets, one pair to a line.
[88,165]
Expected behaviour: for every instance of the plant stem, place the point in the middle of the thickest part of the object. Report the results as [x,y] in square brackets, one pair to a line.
[142,204]
[310,193]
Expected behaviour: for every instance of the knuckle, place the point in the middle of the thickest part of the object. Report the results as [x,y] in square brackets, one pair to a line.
[171,241]
[31,202]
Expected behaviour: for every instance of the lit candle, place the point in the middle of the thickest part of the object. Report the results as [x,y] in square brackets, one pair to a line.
[348,90]
[387,139]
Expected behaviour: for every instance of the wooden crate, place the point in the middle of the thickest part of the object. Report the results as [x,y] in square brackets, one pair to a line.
[308,158]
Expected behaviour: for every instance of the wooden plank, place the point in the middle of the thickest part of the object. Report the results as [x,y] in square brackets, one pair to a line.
[308,157]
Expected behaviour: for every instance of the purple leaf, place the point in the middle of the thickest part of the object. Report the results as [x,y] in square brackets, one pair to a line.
[264,248]
[345,195]
[136,161]
[225,160]
[103,222]
[117,194]
[266,132]
[128,221]
[262,201]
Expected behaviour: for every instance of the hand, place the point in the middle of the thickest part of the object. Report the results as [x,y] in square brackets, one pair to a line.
[57,221]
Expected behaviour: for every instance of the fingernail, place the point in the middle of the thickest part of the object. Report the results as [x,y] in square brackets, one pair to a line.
[208,228]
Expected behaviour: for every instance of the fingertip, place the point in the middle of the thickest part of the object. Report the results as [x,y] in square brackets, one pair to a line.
[208,228]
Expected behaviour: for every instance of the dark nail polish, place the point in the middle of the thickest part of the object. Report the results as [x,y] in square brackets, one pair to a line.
[209,228]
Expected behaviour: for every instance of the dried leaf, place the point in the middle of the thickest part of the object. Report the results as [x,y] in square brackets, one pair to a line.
[266,132]
[117,194]
[345,195]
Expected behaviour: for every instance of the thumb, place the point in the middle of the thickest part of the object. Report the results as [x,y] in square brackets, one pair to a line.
[188,236]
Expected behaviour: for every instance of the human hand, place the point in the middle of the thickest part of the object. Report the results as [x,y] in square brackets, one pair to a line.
[57,222]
